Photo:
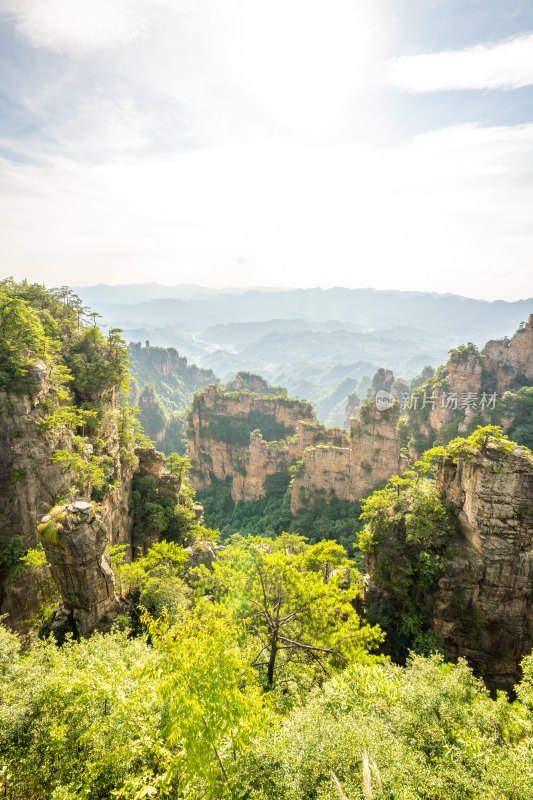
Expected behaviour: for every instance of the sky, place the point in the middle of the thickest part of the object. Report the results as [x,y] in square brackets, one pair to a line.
[359,143]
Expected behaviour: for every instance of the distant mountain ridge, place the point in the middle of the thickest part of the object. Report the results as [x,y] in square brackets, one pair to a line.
[368,307]
[309,340]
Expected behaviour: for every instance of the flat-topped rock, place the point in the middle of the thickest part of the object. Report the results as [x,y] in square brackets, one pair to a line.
[81,506]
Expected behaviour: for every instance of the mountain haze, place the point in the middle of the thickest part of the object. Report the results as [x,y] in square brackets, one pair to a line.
[309,340]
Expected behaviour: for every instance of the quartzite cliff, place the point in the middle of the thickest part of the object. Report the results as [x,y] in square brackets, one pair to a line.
[484,602]
[248,436]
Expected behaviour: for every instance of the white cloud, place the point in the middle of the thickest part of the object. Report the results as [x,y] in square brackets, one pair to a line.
[237,70]
[501,65]
[76,27]
[199,140]
[450,211]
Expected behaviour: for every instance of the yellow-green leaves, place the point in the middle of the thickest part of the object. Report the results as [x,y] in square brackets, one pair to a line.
[297,610]
[211,702]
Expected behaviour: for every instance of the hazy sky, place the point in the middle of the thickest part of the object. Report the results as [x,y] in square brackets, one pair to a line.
[382,143]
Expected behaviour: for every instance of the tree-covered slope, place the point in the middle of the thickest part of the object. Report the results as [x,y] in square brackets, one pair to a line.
[163,385]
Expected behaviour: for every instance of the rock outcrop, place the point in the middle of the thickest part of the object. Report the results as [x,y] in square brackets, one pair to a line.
[249,382]
[350,471]
[151,461]
[152,416]
[353,407]
[150,364]
[484,604]
[510,361]
[202,554]
[74,538]
[464,392]
[29,481]
[220,424]
[31,484]
[164,485]
[382,381]
[251,438]
[161,359]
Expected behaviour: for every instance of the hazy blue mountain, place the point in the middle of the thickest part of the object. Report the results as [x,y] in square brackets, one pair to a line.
[309,340]
[171,336]
[141,292]
[244,332]
[369,308]
[330,404]
[334,347]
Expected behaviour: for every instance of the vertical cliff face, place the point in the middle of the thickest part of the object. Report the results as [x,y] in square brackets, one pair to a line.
[509,359]
[464,375]
[29,481]
[322,475]
[455,557]
[374,447]
[353,407]
[220,424]
[263,459]
[31,484]
[350,471]
[75,539]
[152,416]
[249,438]
[464,392]
[484,603]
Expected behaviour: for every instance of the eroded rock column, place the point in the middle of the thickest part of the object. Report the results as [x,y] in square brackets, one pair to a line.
[74,538]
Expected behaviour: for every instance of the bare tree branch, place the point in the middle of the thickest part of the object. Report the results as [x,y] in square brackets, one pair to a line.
[313,647]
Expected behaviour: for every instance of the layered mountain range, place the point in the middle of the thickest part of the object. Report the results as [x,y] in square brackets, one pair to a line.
[320,344]
[249,434]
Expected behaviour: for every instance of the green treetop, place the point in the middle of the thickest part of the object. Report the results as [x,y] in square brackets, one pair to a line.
[291,605]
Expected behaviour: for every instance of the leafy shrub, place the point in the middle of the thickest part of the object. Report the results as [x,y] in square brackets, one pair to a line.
[408,529]
[11,551]
[156,514]
[22,340]
[429,730]
[98,365]
[522,409]
[236,430]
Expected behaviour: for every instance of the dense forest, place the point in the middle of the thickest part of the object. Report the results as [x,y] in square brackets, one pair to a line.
[257,678]
[242,662]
